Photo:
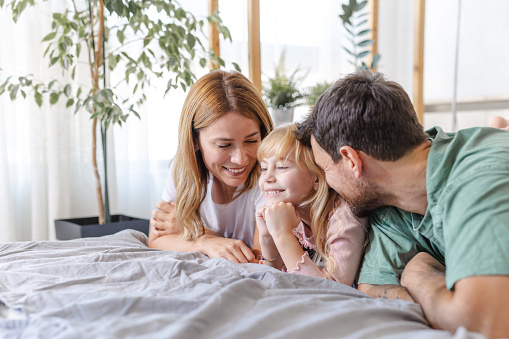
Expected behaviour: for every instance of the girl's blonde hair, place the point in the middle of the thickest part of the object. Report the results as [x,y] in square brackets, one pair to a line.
[281,143]
[211,97]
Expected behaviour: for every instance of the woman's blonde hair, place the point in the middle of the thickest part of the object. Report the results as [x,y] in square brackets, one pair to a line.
[212,96]
[281,143]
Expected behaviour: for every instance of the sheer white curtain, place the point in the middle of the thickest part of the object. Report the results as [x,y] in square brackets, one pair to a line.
[45,167]
[45,153]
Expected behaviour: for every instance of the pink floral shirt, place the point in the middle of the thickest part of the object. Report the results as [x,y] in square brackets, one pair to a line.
[348,234]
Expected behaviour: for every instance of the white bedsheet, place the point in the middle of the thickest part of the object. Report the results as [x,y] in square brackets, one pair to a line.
[117,287]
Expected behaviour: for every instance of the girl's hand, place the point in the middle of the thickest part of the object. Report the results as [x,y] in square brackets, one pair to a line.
[281,218]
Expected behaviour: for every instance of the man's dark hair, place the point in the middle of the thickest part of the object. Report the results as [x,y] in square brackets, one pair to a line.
[366,112]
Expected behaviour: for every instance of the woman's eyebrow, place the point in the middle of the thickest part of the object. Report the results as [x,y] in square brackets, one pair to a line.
[252,135]
[230,139]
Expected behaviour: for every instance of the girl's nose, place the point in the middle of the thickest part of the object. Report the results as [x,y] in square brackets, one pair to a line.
[269,175]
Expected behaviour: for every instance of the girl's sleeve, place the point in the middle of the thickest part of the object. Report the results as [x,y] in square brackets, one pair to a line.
[347,235]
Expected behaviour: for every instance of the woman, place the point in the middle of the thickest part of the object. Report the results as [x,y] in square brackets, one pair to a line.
[211,193]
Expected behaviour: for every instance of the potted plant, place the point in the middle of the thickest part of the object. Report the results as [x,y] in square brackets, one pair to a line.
[100,34]
[282,92]
[315,91]
[354,21]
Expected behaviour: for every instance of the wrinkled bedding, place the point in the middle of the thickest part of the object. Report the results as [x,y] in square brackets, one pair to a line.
[117,287]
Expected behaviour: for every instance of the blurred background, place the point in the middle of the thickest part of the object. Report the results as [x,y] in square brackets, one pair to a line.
[45,167]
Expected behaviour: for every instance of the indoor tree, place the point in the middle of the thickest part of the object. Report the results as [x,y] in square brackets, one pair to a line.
[143,39]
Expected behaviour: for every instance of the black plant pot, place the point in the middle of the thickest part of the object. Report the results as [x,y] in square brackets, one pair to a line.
[67,229]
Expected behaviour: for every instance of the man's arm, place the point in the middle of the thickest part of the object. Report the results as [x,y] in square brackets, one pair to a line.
[386,291]
[479,303]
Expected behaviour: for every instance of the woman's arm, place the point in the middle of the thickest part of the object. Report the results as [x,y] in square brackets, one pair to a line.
[165,235]
[210,244]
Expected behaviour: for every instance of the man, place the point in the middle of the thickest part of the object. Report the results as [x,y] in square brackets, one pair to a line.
[437,200]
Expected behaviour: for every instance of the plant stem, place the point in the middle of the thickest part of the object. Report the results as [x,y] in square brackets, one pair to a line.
[98,190]
[107,217]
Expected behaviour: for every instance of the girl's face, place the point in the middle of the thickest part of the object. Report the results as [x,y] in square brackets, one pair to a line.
[285,181]
[228,147]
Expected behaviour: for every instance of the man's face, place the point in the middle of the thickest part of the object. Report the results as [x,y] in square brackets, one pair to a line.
[362,196]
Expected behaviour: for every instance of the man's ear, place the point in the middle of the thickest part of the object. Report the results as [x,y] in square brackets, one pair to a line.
[353,160]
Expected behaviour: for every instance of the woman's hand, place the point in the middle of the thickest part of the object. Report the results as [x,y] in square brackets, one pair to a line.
[215,246]
[164,220]
[281,218]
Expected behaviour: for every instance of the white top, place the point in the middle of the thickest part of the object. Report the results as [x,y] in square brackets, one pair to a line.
[235,220]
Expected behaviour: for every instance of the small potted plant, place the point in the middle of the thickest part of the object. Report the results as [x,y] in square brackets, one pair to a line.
[281,92]
[315,91]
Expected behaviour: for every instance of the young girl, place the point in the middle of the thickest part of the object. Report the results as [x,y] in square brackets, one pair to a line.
[302,211]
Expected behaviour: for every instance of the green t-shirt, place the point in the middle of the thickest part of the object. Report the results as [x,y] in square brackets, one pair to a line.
[466,225]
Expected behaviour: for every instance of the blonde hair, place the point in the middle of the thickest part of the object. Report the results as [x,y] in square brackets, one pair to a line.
[281,143]
[211,97]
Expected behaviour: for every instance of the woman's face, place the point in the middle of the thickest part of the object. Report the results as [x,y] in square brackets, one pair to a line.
[228,147]
[285,181]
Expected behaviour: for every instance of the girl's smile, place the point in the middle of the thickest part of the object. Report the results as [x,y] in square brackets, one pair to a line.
[283,180]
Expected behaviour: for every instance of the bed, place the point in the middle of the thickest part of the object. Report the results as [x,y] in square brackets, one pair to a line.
[116,287]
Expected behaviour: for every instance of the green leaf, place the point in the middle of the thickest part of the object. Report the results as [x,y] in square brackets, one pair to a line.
[53,61]
[67,90]
[363,54]
[14,91]
[47,50]
[360,23]
[237,67]
[78,106]
[203,62]
[147,41]
[69,103]
[361,5]
[191,41]
[348,51]
[364,32]
[53,98]
[66,62]
[23,94]
[49,37]
[375,61]
[120,36]
[365,43]
[38,98]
